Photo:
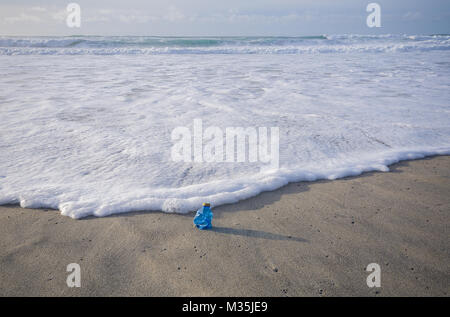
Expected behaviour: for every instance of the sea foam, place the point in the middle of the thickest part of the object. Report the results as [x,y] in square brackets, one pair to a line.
[91,135]
[148,45]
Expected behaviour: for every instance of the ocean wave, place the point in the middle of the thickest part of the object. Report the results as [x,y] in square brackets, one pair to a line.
[92,136]
[189,198]
[220,45]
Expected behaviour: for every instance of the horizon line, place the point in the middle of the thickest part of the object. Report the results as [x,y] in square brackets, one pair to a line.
[193,36]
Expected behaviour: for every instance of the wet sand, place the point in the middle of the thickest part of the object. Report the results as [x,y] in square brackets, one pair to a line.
[305,239]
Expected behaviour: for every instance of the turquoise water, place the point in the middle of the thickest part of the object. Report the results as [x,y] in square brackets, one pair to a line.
[105,45]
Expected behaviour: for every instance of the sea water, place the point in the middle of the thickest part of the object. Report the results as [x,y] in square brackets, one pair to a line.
[86,122]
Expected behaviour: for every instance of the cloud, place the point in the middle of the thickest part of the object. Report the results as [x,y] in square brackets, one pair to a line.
[231,17]
[129,16]
[23,17]
[59,15]
[411,16]
[38,9]
[135,18]
[174,14]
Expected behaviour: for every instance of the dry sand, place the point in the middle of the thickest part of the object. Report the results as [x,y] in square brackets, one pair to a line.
[312,239]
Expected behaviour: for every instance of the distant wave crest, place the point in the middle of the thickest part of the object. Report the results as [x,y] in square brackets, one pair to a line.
[122,45]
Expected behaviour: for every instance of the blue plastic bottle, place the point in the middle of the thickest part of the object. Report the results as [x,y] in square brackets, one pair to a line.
[203,218]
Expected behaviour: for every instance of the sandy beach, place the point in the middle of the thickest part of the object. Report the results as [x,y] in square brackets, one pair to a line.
[305,239]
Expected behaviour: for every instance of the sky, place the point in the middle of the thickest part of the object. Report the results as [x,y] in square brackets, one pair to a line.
[223,18]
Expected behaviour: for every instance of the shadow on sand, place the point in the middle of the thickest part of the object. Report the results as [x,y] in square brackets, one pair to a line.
[269,198]
[255,234]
